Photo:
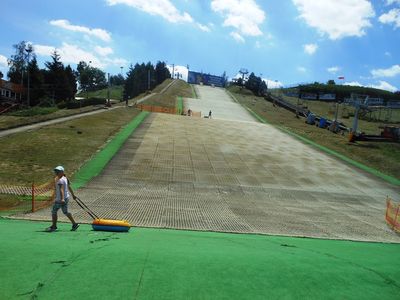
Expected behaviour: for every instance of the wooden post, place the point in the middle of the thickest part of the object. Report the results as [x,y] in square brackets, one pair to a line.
[33,197]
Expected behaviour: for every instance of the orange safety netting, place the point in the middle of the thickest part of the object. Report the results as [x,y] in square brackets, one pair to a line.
[28,198]
[158,109]
[393,215]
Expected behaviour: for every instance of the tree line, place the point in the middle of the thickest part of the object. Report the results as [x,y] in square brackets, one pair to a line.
[254,84]
[143,77]
[58,83]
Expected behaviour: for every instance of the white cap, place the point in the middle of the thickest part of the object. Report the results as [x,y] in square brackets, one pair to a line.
[59,168]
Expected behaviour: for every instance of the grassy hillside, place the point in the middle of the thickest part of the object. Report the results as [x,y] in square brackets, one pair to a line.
[168,98]
[116,92]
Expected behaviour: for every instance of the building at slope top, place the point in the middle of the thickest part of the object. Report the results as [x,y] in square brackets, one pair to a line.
[206,79]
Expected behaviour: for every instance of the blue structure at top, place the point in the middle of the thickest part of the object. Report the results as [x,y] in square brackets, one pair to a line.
[206,79]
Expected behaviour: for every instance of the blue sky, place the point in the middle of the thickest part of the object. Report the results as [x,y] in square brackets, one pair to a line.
[288,41]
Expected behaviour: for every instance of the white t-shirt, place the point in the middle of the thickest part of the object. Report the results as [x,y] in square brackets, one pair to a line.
[62,182]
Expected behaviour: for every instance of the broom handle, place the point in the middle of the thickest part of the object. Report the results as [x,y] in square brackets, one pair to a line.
[86,208]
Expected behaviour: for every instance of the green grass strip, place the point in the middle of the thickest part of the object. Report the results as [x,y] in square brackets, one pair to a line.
[179,105]
[93,167]
[194,91]
[357,164]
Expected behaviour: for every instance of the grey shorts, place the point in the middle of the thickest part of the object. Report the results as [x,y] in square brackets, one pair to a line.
[58,205]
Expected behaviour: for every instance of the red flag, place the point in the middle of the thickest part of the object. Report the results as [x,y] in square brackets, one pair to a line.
[341,77]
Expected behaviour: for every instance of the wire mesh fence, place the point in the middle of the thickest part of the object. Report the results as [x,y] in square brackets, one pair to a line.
[393,215]
[22,199]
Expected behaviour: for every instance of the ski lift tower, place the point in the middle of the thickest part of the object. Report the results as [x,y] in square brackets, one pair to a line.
[243,71]
[360,102]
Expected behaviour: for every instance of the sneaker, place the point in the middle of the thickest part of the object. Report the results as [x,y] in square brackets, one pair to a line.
[75,227]
[50,229]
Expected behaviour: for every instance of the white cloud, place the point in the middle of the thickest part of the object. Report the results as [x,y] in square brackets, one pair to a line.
[353,83]
[3,61]
[163,8]
[97,32]
[337,18]
[333,70]
[243,15]
[390,2]
[302,69]
[393,16]
[237,37]
[69,54]
[273,84]
[257,45]
[73,54]
[383,85]
[203,27]
[310,48]
[116,61]
[389,72]
[43,50]
[104,51]
[181,70]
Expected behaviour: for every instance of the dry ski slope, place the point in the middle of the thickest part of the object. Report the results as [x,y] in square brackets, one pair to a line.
[233,174]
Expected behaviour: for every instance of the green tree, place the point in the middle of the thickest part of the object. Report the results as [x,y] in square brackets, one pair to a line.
[18,62]
[90,78]
[161,72]
[117,79]
[36,80]
[331,81]
[71,80]
[56,77]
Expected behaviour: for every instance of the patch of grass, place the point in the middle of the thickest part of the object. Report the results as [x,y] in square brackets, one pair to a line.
[385,157]
[31,156]
[116,92]
[168,98]
[34,111]
[161,86]
[11,121]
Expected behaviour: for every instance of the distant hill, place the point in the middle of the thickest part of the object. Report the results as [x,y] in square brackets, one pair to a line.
[343,91]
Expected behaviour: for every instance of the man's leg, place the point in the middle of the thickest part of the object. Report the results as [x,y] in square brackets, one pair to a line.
[70,217]
[54,220]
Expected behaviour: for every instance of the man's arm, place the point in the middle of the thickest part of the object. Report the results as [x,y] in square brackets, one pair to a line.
[71,191]
[62,192]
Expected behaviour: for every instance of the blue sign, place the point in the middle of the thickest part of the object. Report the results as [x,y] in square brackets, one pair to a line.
[206,79]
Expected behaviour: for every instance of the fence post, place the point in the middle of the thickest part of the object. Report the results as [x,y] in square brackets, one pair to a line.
[33,197]
[395,224]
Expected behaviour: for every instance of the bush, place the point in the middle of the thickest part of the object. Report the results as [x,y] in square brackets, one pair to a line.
[84,102]
[34,111]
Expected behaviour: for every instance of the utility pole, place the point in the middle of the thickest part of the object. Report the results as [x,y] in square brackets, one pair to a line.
[108,90]
[173,70]
[29,50]
[148,79]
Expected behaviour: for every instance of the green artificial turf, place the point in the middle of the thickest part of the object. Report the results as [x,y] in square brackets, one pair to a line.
[172,264]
